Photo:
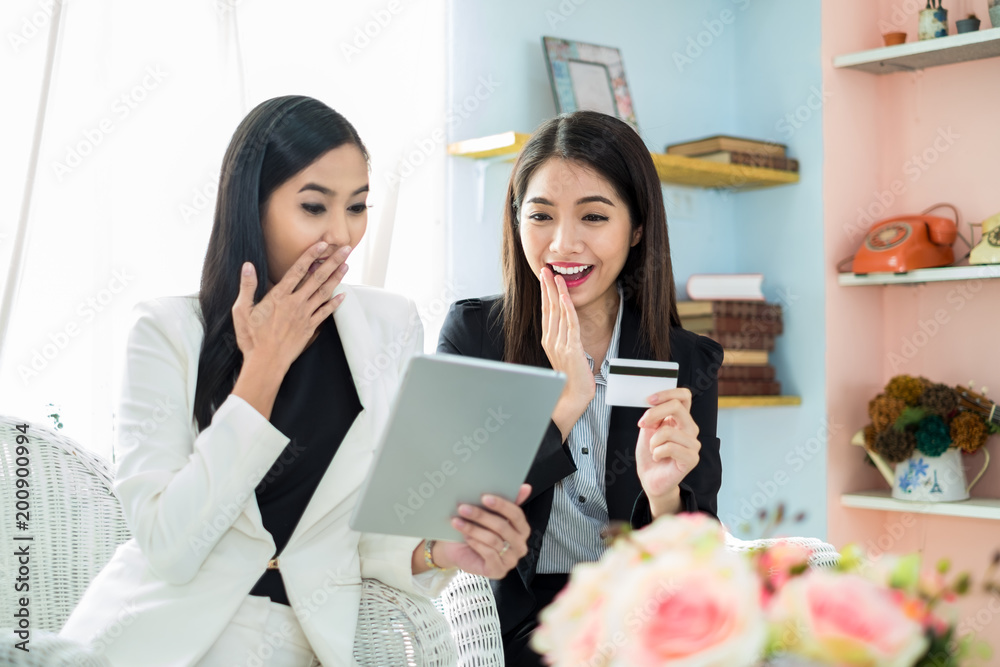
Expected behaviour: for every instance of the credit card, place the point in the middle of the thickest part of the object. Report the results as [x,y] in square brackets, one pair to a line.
[632,381]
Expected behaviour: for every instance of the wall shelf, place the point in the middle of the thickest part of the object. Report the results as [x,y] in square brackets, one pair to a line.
[921,55]
[757,401]
[681,170]
[506,145]
[977,272]
[673,169]
[973,508]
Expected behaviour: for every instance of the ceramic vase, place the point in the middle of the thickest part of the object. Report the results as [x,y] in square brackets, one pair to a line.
[933,23]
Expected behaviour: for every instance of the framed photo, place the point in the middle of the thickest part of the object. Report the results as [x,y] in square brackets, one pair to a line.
[588,76]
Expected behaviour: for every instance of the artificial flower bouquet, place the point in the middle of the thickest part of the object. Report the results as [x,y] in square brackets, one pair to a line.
[917,415]
[924,428]
[673,594]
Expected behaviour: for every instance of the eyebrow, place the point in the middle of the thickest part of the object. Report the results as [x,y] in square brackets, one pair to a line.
[593,198]
[328,192]
[585,200]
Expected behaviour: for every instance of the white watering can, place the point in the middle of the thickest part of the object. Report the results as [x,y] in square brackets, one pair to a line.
[922,478]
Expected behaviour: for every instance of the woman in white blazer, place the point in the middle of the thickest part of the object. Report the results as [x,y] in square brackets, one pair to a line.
[204,474]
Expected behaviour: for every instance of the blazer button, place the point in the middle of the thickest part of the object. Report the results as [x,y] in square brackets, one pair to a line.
[582,499]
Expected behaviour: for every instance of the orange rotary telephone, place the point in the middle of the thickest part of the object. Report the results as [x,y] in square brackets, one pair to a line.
[908,242]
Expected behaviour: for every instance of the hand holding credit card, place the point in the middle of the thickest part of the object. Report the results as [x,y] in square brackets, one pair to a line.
[632,381]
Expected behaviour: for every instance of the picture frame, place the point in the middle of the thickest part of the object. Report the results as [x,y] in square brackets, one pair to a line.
[588,76]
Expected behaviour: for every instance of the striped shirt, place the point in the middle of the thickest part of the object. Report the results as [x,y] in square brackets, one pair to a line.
[579,507]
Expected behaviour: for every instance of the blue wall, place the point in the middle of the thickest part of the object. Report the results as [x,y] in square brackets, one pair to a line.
[779,232]
[694,69]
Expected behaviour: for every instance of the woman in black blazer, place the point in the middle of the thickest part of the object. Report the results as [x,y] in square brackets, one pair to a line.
[587,276]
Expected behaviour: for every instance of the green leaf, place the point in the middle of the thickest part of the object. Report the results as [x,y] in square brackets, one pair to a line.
[851,558]
[963,584]
[910,416]
[906,573]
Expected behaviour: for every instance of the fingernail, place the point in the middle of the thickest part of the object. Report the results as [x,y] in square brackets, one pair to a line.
[247,269]
[458,523]
[465,510]
[346,250]
[653,399]
[490,500]
[322,246]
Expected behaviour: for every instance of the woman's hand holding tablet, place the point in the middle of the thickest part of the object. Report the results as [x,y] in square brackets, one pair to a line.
[450,463]
[496,537]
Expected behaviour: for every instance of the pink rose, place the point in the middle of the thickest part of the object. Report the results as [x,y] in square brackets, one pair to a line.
[670,592]
[571,629]
[779,563]
[844,619]
[687,609]
[682,531]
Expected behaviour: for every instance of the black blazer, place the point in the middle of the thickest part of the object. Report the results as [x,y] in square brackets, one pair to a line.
[472,328]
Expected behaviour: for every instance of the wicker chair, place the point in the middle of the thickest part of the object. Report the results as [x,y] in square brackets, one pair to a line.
[75,519]
[471,610]
[76,524]
[391,625]
[823,555]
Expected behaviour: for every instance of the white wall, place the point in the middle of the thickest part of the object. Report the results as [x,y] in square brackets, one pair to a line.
[139,203]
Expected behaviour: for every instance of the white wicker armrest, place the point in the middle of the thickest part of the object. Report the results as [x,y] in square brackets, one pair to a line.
[471,610]
[823,555]
[46,649]
[76,520]
[397,629]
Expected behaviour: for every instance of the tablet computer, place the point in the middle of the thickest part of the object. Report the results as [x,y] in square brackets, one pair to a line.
[459,427]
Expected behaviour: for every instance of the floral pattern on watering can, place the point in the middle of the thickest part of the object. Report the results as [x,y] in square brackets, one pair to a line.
[933,478]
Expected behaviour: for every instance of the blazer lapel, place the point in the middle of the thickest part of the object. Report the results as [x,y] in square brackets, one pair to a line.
[350,464]
[621,482]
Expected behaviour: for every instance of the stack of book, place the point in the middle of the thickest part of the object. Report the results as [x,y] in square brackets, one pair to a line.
[737,150]
[746,330]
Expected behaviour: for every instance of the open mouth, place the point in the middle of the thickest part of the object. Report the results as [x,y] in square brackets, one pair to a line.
[573,275]
[315,265]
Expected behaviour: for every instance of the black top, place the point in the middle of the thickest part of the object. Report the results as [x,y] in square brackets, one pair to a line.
[474,328]
[315,407]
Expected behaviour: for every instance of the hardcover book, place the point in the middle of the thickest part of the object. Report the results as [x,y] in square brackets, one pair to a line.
[723,142]
[752,160]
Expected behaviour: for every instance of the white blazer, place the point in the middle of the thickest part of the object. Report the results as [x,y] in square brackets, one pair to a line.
[198,542]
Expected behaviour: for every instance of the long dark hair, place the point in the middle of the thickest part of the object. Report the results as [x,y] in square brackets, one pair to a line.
[277,139]
[614,150]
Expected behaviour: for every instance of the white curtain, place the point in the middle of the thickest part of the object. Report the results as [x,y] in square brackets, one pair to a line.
[145,97]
